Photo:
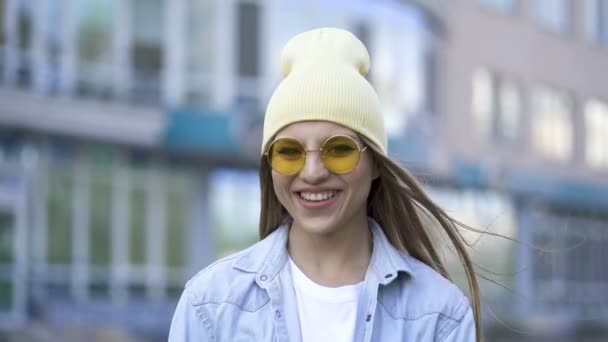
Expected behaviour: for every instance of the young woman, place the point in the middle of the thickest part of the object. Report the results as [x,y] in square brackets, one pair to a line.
[344,254]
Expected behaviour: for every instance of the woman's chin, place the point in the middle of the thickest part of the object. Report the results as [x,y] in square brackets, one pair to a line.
[316,225]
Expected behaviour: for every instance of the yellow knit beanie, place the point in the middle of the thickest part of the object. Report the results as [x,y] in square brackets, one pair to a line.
[324,80]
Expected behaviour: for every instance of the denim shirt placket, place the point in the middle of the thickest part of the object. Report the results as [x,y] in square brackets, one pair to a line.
[366,311]
[283,304]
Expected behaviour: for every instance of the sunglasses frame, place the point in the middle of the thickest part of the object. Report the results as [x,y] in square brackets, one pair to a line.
[320,150]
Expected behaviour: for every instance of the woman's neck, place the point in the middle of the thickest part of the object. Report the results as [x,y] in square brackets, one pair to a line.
[336,259]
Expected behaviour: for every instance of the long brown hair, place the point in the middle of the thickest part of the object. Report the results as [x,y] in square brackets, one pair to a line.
[396,201]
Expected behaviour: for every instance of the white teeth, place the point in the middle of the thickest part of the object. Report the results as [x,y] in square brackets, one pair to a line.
[321,196]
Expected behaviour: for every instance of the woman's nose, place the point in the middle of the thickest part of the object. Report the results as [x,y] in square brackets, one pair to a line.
[314,170]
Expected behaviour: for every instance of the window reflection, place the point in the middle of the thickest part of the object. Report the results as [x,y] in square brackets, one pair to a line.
[24,30]
[506,6]
[399,41]
[483,102]
[247,55]
[596,125]
[400,89]
[147,24]
[200,23]
[596,20]
[56,15]
[554,15]
[2,37]
[496,106]
[94,30]
[399,50]
[510,110]
[234,191]
[553,135]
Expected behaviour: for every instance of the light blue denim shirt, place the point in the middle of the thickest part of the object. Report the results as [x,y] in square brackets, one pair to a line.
[250,296]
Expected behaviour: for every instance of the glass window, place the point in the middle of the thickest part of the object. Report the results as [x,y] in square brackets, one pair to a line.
[399,47]
[7,231]
[53,42]
[100,160]
[2,36]
[295,16]
[400,44]
[596,21]
[496,106]
[147,25]
[248,39]
[505,6]
[59,201]
[596,125]
[247,53]
[94,28]
[483,102]
[492,212]
[59,211]
[138,198]
[232,192]
[179,193]
[554,15]
[561,281]
[24,29]
[509,110]
[138,195]
[199,50]
[552,131]
[7,258]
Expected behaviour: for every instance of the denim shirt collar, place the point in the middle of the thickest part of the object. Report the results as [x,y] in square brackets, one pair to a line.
[268,257]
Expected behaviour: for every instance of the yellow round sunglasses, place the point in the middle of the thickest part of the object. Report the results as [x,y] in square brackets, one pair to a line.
[339,153]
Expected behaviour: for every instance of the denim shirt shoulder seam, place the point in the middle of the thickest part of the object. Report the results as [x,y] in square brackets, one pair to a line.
[206,269]
[407,318]
[451,325]
[235,305]
[202,314]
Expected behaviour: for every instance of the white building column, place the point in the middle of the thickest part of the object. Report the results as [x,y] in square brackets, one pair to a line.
[40,224]
[121,216]
[39,46]
[69,48]
[156,228]
[21,252]
[174,53]
[10,55]
[122,41]
[225,55]
[80,229]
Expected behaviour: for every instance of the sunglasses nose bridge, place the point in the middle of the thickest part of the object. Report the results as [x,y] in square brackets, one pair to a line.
[314,169]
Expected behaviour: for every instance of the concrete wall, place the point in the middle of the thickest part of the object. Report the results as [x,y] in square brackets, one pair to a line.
[517,46]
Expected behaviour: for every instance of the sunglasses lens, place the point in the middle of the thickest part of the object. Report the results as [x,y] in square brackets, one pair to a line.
[340,154]
[286,156]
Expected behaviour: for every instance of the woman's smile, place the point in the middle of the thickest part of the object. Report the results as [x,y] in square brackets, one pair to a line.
[318,199]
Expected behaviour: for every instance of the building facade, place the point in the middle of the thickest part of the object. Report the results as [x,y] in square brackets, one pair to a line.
[535,128]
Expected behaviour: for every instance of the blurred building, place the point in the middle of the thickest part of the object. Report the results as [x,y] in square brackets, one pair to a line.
[130,133]
[526,114]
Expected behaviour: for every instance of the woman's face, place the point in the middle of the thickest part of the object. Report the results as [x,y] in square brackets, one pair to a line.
[318,200]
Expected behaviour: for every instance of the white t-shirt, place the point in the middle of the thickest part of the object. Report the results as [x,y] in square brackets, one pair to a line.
[326,313]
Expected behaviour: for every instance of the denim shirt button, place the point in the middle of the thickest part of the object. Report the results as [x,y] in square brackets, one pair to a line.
[263,277]
[278,313]
[368,318]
